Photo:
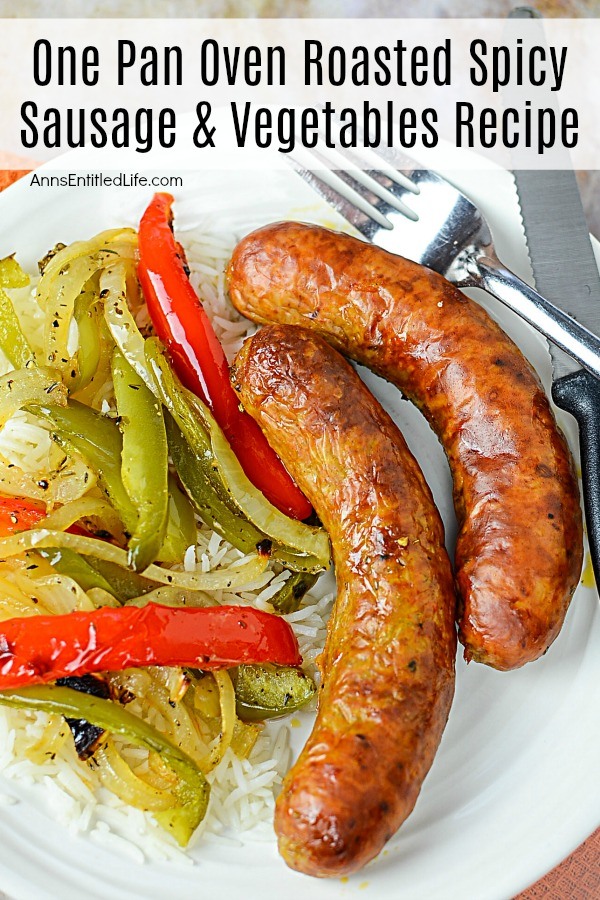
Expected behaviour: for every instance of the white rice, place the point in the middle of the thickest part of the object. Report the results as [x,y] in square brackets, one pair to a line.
[242,791]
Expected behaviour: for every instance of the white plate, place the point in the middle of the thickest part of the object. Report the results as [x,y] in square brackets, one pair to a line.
[514,787]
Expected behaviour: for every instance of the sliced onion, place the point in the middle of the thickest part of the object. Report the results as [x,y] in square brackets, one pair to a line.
[180,724]
[50,741]
[99,597]
[29,386]
[53,595]
[64,279]
[307,539]
[121,323]
[14,603]
[228,720]
[235,577]
[84,508]
[69,482]
[135,682]
[173,679]
[116,775]
[23,594]
[245,736]
[56,594]
[124,237]
[173,596]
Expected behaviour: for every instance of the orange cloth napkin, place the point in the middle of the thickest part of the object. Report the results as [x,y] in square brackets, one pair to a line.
[577,878]
[7,176]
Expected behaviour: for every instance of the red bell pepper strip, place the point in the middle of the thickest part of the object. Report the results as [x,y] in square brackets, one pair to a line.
[18,514]
[39,649]
[182,324]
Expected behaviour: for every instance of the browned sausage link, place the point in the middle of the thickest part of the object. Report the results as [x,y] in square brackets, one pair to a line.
[519,549]
[388,664]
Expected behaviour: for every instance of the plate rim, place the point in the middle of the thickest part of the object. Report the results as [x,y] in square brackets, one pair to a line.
[20,186]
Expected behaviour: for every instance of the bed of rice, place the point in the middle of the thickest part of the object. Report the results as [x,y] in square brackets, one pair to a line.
[242,791]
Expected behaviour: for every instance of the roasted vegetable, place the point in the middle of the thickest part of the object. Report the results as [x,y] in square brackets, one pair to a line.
[13,342]
[144,461]
[181,526]
[214,480]
[66,274]
[87,312]
[191,791]
[235,576]
[99,440]
[67,562]
[18,514]
[40,649]
[289,597]
[266,692]
[183,325]
[120,320]
[26,386]
[85,735]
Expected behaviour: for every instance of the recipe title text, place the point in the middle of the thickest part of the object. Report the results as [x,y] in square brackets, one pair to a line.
[375,119]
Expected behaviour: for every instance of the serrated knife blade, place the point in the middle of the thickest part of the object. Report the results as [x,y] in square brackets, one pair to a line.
[565,272]
[562,258]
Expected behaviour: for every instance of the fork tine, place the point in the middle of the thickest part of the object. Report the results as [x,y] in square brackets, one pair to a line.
[357,211]
[398,161]
[414,171]
[370,160]
[375,192]
[375,196]
[358,177]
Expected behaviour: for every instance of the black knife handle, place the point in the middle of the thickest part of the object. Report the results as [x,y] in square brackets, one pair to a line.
[579,394]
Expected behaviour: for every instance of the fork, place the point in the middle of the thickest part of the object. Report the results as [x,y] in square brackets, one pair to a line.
[407,209]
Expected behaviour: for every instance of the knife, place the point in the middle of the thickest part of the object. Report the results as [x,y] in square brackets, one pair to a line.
[566,273]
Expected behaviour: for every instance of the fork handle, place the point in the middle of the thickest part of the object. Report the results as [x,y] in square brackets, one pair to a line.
[489,274]
[579,394]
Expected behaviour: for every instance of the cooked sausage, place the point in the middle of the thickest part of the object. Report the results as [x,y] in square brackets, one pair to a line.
[388,664]
[519,549]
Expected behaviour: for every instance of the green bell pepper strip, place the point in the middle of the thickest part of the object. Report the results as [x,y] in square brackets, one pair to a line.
[67,562]
[198,469]
[289,596]
[181,526]
[165,595]
[13,342]
[88,317]
[144,461]
[90,572]
[86,393]
[99,441]
[269,691]
[124,583]
[174,397]
[12,339]
[11,274]
[191,792]
[197,477]
[236,489]
[194,470]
